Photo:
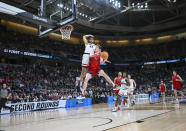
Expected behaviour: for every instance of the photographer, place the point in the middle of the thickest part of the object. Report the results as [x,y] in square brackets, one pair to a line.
[4,95]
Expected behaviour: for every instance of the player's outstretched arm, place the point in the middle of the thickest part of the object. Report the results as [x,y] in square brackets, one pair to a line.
[114,80]
[180,79]
[85,39]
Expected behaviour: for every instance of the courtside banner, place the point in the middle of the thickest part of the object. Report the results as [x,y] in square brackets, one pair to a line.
[137,97]
[31,106]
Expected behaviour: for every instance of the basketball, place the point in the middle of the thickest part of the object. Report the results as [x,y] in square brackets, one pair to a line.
[104,55]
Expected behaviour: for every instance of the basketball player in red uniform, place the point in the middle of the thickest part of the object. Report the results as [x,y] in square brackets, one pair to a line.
[163,90]
[176,83]
[94,69]
[123,91]
[117,82]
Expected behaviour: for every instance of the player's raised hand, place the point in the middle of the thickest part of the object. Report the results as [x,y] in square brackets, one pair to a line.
[108,61]
[90,35]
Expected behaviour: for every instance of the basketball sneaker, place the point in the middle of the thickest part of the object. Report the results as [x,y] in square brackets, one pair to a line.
[115,109]
[133,103]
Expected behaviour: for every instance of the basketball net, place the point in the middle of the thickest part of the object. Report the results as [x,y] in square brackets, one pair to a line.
[66,32]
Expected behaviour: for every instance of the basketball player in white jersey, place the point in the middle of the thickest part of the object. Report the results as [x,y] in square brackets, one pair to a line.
[122,92]
[132,87]
[89,48]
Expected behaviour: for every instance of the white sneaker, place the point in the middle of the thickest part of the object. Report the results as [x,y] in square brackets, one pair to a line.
[114,110]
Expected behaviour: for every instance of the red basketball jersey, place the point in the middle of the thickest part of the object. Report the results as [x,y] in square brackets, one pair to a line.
[118,81]
[176,84]
[162,87]
[94,64]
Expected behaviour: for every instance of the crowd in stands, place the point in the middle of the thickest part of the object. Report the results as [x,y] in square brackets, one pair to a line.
[40,83]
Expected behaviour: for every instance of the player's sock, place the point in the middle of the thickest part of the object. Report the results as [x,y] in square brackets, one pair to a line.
[177,101]
[123,102]
[81,84]
[83,92]
[118,109]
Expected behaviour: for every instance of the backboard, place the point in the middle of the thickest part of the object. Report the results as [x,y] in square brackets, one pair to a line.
[60,12]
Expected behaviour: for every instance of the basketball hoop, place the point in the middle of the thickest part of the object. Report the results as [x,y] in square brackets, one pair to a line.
[66,32]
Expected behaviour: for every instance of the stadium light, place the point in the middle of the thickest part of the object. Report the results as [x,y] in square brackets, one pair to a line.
[60,5]
[173,1]
[115,3]
[140,6]
[68,9]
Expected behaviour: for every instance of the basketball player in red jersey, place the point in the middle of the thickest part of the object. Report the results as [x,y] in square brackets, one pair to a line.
[176,83]
[163,90]
[94,69]
[117,82]
[123,91]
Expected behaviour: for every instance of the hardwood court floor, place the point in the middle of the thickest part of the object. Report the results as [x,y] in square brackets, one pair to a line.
[153,117]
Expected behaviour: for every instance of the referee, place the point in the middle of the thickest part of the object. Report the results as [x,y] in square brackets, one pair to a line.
[3,98]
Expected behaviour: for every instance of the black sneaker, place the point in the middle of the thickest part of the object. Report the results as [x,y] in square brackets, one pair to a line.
[11,110]
[133,103]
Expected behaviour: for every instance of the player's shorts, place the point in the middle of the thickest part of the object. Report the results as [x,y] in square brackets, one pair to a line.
[94,72]
[116,92]
[123,92]
[177,87]
[131,90]
[85,60]
[162,90]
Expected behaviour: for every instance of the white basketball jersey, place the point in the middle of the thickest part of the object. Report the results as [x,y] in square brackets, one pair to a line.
[131,83]
[89,48]
[123,83]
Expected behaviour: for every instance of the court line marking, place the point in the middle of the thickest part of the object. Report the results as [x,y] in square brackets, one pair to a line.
[140,119]
[57,118]
[95,111]
[84,113]
[110,121]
